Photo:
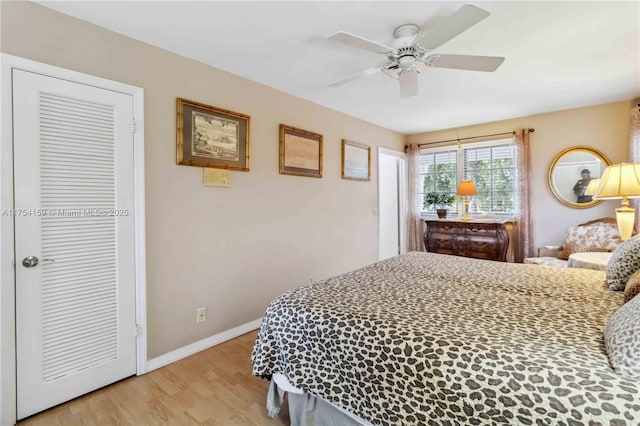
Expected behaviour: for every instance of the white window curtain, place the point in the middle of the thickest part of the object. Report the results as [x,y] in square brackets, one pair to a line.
[414,222]
[523,244]
[635,152]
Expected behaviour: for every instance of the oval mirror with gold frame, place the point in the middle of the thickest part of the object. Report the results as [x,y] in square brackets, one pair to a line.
[570,174]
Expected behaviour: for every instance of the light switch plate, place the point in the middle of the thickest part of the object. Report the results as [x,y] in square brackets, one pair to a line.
[217,177]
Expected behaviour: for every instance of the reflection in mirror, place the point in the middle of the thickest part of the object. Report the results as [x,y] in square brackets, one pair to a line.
[571,172]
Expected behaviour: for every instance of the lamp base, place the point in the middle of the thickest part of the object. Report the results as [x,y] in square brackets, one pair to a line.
[466,208]
[625,216]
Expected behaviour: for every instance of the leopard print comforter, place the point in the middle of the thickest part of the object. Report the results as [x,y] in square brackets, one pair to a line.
[430,339]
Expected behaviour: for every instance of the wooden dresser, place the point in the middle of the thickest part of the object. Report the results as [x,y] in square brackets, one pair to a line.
[480,239]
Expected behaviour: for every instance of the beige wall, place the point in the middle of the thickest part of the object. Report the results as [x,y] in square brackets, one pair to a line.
[604,127]
[233,249]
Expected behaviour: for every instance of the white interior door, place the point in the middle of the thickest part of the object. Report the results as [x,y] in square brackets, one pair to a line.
[391,202]
[73,186]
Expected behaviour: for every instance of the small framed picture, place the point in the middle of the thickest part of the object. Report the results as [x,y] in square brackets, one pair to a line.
[212,137]
[300,152]
[356,161]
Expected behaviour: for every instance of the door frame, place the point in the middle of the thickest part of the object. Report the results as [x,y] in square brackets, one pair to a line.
[402,197]
[8,63]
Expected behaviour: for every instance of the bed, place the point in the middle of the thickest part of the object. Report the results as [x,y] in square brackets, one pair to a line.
[425,338]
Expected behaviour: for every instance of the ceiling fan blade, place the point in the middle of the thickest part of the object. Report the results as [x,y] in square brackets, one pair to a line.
[465,62]
[463,19]
[408,84]
[354,77]
[359,42]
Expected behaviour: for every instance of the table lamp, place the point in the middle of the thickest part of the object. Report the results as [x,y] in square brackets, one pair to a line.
[466,188]
[591,188]
[621,181]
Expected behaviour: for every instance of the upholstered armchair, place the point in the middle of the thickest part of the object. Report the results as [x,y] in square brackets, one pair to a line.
[597,235]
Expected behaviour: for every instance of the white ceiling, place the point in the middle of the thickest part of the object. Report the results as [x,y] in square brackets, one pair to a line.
[559,55]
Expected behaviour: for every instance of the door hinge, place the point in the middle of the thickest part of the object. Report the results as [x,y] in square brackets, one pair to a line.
[134,126]
[139,330]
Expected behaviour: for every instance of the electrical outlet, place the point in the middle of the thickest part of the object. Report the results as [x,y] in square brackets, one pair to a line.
[201,314]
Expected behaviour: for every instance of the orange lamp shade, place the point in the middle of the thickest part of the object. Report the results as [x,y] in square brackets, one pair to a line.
[466,187]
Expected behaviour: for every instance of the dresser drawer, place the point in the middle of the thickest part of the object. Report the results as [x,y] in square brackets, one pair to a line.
[482,240]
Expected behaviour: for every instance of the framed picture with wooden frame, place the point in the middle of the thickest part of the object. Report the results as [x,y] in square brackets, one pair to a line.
[356,161]
[212,137]
[300,152]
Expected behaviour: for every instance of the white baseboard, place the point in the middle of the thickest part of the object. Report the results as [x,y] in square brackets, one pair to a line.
[201,345]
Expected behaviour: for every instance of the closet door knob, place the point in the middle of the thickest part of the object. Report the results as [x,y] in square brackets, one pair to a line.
[29,261]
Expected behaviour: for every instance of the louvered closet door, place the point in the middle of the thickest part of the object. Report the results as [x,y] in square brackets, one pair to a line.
[75,309]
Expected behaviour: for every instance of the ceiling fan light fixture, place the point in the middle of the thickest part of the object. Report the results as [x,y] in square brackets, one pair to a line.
[406,62]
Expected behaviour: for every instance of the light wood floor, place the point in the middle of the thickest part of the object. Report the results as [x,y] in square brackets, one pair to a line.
[213,387]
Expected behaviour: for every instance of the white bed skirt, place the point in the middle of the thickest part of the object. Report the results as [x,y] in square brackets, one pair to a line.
[306,409]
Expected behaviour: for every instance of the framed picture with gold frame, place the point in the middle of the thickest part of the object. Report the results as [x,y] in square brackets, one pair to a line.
[356,161]
[212,137]
[300,152]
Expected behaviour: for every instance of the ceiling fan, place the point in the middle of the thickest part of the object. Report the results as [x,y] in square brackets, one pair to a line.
[409,54]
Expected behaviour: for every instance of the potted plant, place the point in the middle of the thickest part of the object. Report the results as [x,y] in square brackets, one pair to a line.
[440,201]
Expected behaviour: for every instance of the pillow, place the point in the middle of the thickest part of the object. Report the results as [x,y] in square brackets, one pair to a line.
[632,288]
[622,340]
[623,263]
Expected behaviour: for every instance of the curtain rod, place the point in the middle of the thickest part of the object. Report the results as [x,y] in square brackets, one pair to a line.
[473,137]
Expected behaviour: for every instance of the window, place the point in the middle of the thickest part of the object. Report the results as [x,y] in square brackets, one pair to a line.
[438,173]
[490,165]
